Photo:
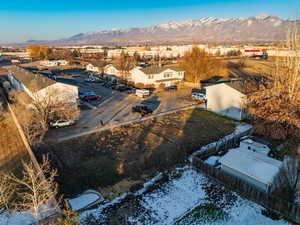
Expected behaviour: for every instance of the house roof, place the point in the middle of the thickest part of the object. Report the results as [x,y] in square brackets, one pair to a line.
[237,83]
[99,64]
[159,69]
[257,166]
[32,81]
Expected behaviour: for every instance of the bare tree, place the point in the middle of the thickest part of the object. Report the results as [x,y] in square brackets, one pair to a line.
[276,105]
[287,182]
[36,189]
[35,115]
[124,63]
[199,65]
[6,191]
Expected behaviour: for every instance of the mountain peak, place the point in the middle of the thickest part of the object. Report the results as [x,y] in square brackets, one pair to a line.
[261,16]
[257,28]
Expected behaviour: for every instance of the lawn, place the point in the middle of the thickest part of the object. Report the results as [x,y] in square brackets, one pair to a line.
[117,161]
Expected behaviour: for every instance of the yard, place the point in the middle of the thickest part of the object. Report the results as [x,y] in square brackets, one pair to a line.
[185,198]
[114,162]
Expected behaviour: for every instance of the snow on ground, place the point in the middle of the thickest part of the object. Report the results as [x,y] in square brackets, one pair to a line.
[175,198]
[244,212]
[19,218]
[239,129]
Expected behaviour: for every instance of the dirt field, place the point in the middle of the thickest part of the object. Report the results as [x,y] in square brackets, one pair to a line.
[12,149]
[252,67]
[117,161]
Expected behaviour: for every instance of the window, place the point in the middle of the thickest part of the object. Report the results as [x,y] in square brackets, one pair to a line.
[167,75]
[151,76]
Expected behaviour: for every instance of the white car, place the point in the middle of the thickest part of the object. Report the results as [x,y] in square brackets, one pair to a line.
[199,96]
[62,123]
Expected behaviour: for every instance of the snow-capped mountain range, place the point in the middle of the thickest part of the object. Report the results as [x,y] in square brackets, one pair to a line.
[255,28]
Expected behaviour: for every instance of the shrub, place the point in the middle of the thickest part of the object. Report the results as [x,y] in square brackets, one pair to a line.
[162,86]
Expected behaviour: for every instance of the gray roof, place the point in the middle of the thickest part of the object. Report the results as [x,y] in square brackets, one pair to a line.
[238,85]
[32,81]
[159,69]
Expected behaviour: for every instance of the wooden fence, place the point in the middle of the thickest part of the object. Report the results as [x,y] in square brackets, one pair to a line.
[282,207]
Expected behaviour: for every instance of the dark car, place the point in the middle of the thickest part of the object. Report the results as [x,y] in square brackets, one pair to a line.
[91,97]
[108,85]
[123,88]
[171,88]
[142,109]
[198,90]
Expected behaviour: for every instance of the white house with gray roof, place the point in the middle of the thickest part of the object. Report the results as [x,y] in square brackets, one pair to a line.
[226,98]
[37,85]
[156,75]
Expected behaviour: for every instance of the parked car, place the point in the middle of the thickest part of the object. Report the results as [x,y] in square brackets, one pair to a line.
[91,97]
[199,96]
[123,88]
[83,94]
[89,79]
[99,81]
[62,123]
[171,88]
[197,90]
[109,85]
[142,109]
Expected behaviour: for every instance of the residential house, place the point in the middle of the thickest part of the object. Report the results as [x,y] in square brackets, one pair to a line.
[93,68]
[113,72]
[157,75]
[96,67]
[225,97]
[111,69]
[37,85]
[252,167]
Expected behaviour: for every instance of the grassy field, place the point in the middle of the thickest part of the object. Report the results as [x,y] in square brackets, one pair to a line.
[117,161]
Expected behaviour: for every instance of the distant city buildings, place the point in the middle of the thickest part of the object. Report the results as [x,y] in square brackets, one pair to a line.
[51,63]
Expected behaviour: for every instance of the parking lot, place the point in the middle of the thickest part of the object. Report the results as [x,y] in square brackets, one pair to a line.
[115,107]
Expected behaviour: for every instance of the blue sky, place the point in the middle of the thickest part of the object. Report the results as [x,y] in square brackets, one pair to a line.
[45,20]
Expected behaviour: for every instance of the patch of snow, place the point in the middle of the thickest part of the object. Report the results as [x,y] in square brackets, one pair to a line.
[261,16]
[243,212]
[239,129]
[172,200]
[165,205]
[213,160]
[16,218]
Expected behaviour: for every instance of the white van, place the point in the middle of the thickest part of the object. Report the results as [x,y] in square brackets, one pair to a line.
[142,92]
